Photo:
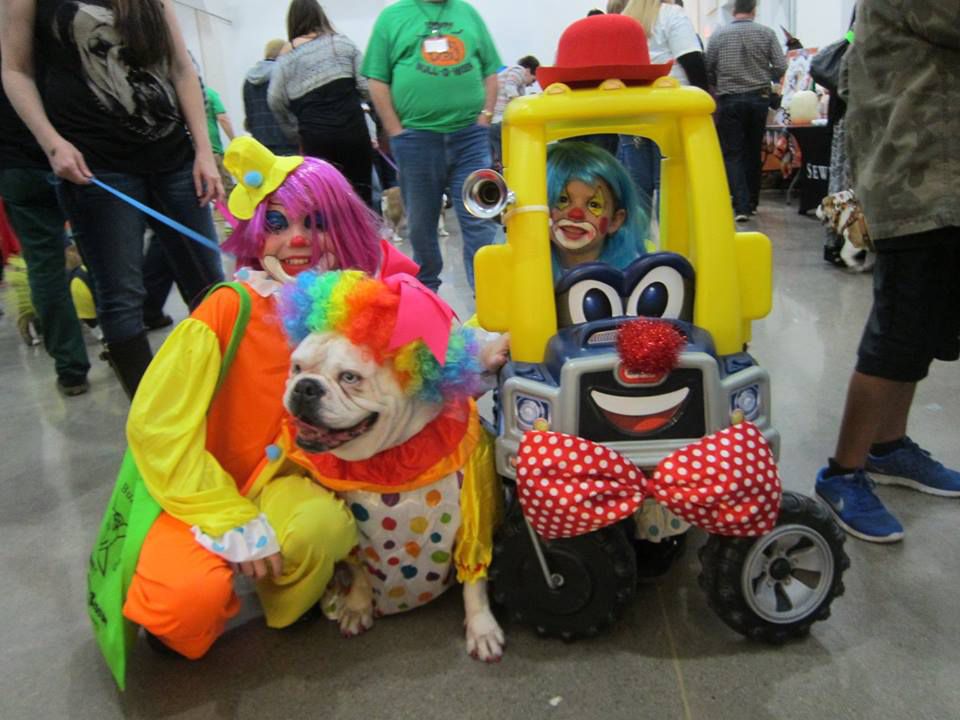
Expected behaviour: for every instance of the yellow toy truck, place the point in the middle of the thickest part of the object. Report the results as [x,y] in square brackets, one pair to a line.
[565,374]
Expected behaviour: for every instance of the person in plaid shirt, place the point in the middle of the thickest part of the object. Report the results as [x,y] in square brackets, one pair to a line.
[512,82]
[743,58]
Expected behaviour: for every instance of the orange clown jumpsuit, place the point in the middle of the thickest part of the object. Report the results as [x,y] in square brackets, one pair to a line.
[217,460]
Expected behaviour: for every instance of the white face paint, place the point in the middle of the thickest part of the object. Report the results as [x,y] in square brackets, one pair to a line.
[581,219]
[347,404]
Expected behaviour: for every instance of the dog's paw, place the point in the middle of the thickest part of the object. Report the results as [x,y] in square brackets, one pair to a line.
[485,639]
[356,614]
[355,621]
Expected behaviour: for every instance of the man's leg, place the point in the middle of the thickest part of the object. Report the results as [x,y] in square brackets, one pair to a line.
[912,321]
[755,125]
[876,412]
[423,177]
[37,219]
[641,157]
[731,134]
[468,150]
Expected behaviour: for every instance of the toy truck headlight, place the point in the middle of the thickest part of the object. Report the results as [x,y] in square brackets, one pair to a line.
[529,410]
[747,401]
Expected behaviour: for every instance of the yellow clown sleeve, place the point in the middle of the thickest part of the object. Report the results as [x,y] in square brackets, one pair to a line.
[167,433]
[481,509]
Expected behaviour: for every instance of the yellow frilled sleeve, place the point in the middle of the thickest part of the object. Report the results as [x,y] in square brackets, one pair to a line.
[167,433]
[481,510]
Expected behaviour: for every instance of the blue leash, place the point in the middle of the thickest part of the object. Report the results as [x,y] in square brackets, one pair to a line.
[170,222]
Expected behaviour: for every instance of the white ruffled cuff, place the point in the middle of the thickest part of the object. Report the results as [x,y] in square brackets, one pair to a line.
[253,541]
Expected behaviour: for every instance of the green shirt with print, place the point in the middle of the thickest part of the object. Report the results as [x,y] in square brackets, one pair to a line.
[214,107]
[434,56]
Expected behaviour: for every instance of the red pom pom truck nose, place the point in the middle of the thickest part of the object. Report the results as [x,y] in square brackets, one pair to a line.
[650,347]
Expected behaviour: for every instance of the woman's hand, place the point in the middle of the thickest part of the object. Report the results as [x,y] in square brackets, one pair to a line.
[206,179]
[67,162]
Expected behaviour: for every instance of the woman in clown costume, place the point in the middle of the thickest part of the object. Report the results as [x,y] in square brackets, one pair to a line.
[236,495]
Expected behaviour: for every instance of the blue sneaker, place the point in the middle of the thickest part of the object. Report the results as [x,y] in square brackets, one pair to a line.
[911,466]
[855,507]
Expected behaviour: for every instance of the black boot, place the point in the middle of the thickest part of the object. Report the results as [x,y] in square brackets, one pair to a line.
[129,359]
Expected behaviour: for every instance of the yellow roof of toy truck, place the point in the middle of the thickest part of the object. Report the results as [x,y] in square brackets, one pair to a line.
[514,282]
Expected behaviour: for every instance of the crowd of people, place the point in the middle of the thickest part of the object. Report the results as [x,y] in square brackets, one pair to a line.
[135,117]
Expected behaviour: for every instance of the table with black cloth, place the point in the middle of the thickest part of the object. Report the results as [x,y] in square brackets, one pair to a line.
[814,173]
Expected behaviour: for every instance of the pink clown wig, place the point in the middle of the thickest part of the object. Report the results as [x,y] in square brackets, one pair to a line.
[315,187]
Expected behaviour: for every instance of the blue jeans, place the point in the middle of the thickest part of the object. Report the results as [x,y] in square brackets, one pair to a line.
[38,221]
[741,121]
[429,163]
[109,233]
[641,157]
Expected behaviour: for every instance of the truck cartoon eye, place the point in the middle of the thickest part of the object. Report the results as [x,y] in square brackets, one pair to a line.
[659,285]
[591,300]
[660,293]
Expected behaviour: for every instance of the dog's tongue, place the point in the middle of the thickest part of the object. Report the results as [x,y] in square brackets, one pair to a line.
[323,438]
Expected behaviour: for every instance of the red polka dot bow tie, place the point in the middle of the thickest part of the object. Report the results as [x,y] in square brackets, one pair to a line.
[726,483]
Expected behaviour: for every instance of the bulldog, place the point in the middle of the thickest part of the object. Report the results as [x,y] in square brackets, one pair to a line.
[406,461]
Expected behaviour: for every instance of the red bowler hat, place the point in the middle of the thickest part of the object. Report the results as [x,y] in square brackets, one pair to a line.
[601,47]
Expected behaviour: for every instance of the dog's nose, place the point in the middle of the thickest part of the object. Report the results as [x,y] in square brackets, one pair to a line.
[305,393]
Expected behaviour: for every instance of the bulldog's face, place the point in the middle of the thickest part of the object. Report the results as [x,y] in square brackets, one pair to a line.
[343,402]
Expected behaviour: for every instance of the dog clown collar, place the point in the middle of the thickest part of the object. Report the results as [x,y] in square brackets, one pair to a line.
[258,173]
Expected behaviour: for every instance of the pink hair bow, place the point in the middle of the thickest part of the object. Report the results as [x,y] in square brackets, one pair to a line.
[422,315]
[726,483]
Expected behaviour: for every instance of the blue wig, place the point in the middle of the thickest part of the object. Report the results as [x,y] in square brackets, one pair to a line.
[567,161]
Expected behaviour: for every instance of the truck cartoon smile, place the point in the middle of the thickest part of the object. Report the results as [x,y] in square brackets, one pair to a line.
[641,415]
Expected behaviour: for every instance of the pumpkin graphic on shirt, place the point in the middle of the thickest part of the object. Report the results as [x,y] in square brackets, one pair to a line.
[455,53]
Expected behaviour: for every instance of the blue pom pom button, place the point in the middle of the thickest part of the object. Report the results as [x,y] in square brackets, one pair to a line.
[253,178]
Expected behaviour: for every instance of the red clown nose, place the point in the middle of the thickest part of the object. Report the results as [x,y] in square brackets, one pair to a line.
[650,347]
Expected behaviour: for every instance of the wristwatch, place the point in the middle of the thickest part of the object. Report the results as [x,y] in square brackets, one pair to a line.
[487,113]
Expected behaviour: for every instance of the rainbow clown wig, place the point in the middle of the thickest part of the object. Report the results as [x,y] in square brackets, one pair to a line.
[317,189]
[568,161]
[364,310]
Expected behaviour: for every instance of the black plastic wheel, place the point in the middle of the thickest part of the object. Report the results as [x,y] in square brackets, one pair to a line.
[595,576]
[774,587]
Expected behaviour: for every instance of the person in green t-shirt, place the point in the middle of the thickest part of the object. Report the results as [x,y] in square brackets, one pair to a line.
[432,67]
[217,115]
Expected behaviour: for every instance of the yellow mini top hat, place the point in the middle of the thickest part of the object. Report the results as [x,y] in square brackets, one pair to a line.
[258,173]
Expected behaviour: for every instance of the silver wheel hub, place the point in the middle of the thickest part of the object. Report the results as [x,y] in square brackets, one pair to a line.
[787,574]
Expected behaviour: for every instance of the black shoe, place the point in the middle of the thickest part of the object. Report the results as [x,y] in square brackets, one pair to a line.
[129,360]
[72,388]
[158,646]
[158,322]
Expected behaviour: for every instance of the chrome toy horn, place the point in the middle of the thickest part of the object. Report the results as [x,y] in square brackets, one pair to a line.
[485,194]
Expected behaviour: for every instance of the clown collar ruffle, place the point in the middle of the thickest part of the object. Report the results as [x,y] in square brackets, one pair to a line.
[442,447]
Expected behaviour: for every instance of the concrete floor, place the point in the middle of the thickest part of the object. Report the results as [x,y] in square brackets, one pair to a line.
[890,650]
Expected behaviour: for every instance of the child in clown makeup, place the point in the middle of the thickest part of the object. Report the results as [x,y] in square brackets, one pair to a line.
[299,214]
[236,495]
[595,213]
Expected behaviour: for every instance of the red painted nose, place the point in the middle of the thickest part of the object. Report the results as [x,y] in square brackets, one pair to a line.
[298,241]
[576,214]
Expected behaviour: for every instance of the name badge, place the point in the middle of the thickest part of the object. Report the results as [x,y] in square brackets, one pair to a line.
[436,45]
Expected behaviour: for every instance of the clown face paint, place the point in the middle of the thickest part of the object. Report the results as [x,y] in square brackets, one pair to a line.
[581,220]
[293,245]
